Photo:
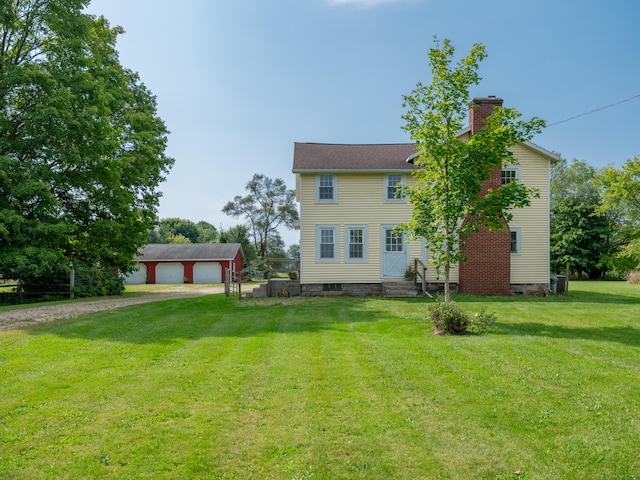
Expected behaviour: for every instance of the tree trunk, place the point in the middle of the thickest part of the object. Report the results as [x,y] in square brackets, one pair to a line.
[447,288]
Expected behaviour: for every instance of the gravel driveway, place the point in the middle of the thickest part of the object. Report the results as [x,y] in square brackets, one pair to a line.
[24,317]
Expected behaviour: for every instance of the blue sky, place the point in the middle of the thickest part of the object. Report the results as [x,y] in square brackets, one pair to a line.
[239,81]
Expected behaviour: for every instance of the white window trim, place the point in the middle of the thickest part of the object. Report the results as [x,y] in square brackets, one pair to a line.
[335,189]
[518,233]
[365,241]
[385,197]
[511,168]
[335,257]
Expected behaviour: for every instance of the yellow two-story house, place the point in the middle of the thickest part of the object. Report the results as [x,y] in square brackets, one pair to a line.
[349,210]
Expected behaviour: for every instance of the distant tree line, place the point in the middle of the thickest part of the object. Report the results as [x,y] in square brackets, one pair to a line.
[595,219]
[178,230]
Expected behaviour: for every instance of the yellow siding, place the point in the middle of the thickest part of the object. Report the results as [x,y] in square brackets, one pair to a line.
[435,277]
[360,202]
[532,265]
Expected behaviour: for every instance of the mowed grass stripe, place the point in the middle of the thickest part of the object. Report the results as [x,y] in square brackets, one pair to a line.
[327,388]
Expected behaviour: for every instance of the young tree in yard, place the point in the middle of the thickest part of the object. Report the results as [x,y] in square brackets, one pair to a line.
[267,207]
[447,198]
[82,150]
[622,195]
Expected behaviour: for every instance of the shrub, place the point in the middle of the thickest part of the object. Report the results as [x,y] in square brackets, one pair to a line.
[481,321]
[634,277]
[91,282]
[448,318]
[410,274]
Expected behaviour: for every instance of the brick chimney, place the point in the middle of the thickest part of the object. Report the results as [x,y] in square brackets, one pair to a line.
[488,267]
[480,109]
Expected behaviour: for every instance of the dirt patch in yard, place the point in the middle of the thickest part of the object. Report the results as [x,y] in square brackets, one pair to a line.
[27,316]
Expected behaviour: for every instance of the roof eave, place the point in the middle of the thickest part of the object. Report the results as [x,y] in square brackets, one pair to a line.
[347,170]
[553,157]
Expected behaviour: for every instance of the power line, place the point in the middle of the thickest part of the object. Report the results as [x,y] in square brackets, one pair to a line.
[595,110]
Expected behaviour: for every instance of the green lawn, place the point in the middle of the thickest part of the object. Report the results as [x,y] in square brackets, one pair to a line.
[337,388]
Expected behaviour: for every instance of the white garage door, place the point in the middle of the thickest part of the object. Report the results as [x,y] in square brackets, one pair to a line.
[207,272]
[169,273]
[138,276]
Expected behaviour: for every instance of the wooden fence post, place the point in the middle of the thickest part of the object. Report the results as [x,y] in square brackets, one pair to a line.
[72,282]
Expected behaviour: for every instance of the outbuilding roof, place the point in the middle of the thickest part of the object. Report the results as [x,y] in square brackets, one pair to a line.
[313,157]
[189,251]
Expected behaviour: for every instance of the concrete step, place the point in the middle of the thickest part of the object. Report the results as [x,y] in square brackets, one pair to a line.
[260,292]
[400,288]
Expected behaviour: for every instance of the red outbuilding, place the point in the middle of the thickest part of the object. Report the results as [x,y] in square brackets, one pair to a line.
[202,263]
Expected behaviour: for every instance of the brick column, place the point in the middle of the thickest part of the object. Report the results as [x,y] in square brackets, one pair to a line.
[488,267]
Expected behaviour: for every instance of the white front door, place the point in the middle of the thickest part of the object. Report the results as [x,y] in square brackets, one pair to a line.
[394,253]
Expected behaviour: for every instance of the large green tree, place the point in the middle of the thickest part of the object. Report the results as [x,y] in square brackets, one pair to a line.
[447,202]
[82,150]
[581,234]
[622,196]
[267,206]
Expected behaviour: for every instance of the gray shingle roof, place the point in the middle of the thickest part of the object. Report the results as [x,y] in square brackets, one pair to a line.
[311,157]
[188,251]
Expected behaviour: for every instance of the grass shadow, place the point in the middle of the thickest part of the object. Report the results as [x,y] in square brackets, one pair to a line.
[572,297]
[618,334]
[214,316]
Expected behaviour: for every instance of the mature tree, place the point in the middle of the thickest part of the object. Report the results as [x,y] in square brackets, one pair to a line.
[178,230]
[622,196]
[267,207]
[169,228]
[82,149]
[447,202]
[207,233]
[293,251]
[240,234]
[581,234]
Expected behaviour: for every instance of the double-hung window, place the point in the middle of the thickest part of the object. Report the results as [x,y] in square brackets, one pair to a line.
[392,190]
[356,243]
[326,189]
[510,174]
[326,241]
[515,241]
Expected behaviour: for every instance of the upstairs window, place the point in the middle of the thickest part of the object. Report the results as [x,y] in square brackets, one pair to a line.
[326,188]
[510,174]
[393,188]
